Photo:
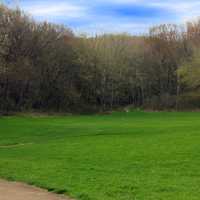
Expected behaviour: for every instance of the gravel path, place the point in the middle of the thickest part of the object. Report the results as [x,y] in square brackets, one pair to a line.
[20,191]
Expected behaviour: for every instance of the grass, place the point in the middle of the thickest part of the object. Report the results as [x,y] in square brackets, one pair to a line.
[123,156]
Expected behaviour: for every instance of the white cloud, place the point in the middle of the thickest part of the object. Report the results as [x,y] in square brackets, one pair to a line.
[183,6]
[122,1]
[183,10]
[54,10]
[90,21]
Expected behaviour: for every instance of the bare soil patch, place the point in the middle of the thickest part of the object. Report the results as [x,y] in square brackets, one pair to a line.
[20,191]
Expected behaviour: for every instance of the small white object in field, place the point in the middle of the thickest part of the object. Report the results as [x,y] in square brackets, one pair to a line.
[127,110]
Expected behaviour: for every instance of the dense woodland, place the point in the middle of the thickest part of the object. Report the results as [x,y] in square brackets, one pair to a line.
[47,67]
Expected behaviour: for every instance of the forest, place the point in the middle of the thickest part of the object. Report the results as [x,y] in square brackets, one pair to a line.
[46,67]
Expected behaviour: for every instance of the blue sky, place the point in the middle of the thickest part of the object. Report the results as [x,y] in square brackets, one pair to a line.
[100,16]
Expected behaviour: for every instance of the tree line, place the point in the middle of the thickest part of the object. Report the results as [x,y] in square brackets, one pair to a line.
[47,67]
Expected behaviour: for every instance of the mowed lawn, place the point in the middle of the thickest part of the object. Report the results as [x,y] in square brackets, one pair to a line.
[122,156]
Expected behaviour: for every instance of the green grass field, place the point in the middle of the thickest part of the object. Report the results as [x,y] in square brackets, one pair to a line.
[123,156]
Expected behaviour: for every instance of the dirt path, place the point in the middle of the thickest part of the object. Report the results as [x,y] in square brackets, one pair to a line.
[20,191]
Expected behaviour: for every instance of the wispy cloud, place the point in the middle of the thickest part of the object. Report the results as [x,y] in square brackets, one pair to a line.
[52,9]
[184,10]
[98,16]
